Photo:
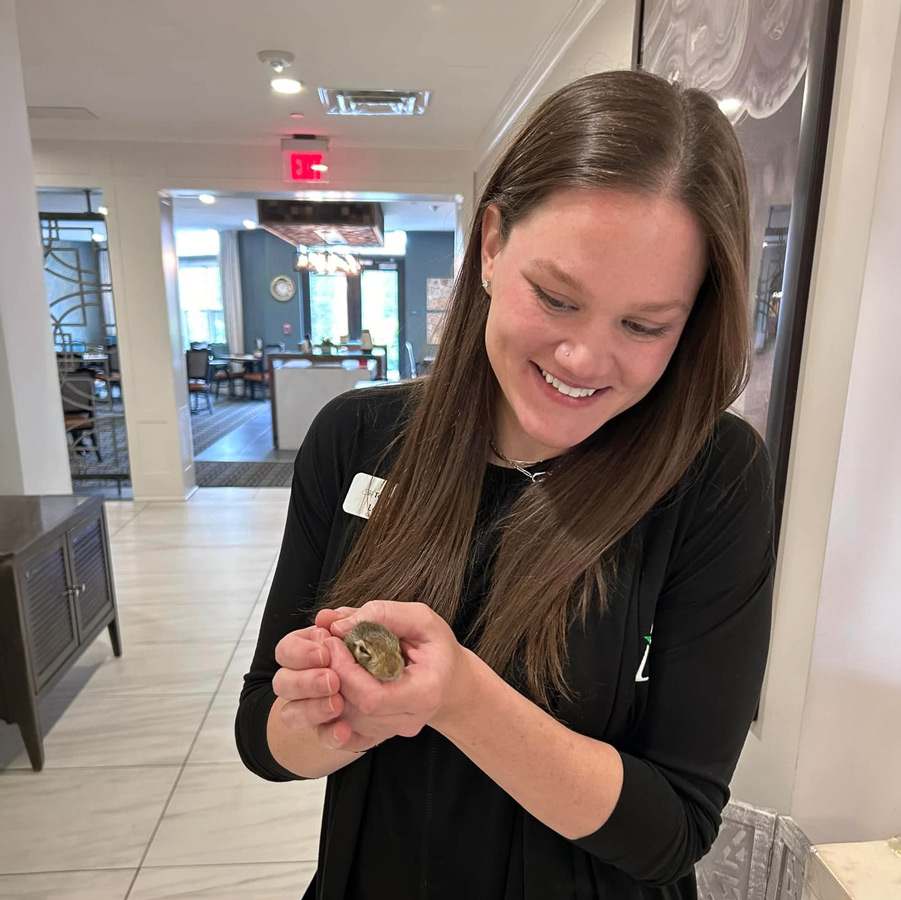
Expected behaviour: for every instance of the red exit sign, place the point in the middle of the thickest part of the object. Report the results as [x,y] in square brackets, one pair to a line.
[305,166]
[297,166]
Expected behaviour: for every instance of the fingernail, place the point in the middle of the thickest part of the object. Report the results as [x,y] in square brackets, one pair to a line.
[331,705]
[321,656]
[325,682]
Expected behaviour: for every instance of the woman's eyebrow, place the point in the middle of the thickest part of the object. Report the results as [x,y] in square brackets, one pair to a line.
[572,282]
[554,270]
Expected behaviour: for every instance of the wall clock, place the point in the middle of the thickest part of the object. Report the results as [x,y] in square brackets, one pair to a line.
[282,287]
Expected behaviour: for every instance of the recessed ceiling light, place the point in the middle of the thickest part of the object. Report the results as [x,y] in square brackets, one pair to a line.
[206,198]
[730,105]
[250,224]
[103,210]
[319,167]
[296,115]
[286,85]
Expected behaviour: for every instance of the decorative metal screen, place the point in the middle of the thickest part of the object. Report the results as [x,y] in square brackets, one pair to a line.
[737,865]
[79,293]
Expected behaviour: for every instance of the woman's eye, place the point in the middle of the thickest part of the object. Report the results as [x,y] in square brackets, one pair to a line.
[549,301]
[643,330]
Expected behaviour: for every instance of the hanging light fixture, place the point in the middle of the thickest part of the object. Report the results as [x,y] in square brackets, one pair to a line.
[326,262]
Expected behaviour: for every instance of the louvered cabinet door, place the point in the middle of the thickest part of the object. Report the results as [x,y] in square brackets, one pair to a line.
[50,623]
[90,574]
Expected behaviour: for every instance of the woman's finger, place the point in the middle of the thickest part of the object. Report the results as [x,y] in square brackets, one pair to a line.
[303,649]
[305,684]
[409,621]
[325,617]
[340,736]
[302,714]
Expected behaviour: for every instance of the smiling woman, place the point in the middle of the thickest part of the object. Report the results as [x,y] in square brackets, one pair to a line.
[563,488]
[566,321]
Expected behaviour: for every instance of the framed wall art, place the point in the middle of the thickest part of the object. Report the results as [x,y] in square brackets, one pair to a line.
[771,67]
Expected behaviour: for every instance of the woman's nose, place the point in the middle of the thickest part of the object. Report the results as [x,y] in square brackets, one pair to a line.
[583,361]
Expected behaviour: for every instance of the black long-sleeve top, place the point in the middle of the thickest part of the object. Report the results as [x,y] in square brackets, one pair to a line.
[669,675]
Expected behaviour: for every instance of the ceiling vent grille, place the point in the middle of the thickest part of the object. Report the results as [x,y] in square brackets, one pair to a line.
[345,102]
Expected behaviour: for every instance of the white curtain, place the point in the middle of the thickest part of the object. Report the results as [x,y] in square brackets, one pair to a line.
[106,296]
[230,274]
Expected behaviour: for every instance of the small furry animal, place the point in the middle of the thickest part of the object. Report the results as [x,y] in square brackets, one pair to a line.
[376,649]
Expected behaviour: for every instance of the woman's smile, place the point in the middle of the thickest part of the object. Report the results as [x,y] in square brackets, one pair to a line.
[564,391]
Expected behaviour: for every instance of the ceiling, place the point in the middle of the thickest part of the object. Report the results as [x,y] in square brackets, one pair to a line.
[230,212]
[173,70]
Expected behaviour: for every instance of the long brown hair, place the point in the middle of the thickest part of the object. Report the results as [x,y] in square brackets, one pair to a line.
[628,131]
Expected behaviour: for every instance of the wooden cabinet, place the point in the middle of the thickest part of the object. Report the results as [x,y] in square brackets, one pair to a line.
[56,596]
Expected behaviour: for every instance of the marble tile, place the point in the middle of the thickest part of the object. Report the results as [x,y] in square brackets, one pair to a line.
[133,559]
[120,513]
[79,818]
[237,668]
[225,814]
[98,884]
[97,730]
[865,871]
[270,881]
[216,741]
[227,496]
[51,708]
[195,587]
[145,669]
[223,622]
[212,532]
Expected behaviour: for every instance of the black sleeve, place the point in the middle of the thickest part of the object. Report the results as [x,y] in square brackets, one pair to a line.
[318,477]
[706,665]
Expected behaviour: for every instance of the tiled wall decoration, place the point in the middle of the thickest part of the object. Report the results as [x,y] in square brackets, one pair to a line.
[737,865]
[790,851]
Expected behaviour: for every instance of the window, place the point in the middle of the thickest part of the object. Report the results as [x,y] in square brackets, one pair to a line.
[328,307]
[199,287]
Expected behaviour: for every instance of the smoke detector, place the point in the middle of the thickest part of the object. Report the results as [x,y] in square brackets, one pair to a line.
[279,60]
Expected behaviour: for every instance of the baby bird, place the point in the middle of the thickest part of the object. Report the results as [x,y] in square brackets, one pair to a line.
[376,649]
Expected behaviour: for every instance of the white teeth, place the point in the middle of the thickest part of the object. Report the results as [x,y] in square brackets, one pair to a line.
[566,389]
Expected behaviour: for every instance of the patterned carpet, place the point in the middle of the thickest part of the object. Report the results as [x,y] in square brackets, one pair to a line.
[243,474]
[90,473]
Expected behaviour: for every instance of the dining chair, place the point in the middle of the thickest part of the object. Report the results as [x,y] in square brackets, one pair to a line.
[200,378]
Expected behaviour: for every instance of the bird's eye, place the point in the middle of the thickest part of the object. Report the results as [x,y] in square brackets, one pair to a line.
[362,649]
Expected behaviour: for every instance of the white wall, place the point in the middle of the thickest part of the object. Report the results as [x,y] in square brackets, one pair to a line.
[132,176]
[33,454]
[767,770]
[849,762]
[605,42]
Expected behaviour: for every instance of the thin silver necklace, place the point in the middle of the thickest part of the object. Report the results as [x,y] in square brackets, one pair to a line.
[518,464]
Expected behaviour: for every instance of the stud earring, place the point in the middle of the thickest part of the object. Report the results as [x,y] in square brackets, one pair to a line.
[486,283]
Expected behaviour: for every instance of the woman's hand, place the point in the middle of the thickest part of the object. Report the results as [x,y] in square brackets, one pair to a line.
[306,682]
[434,684]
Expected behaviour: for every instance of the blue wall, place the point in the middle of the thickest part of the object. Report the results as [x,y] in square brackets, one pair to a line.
[430,254]
[263,256]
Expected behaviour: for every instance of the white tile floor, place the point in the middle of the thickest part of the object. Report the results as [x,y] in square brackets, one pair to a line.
[143,795]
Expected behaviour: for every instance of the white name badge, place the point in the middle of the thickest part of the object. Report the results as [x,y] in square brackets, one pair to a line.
[363,495]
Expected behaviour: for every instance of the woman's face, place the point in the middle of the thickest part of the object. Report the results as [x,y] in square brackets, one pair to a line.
[590,293]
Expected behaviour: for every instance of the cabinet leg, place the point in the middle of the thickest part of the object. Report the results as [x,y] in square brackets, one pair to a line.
[115,637]
[33,738]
